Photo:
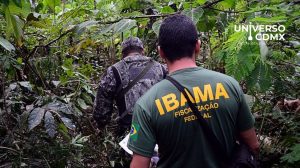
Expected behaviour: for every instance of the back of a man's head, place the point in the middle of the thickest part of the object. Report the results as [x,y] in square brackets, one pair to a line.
[177,37]
[132,45]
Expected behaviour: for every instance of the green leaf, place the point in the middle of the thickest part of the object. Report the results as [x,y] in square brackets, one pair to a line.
[6,44]
[167,9]
[276,19]
[14,26]
[201,2]
[106,29]
[124,25]
[293,156]
[240,64]
[35,117]
[52,3]
[49,124]
[195,14]
[156,26]
[82,26]
[22,10]
[68,123]
[227,3]
[87,98]
[82,104]
[260,77]
[26,85]
[59,106]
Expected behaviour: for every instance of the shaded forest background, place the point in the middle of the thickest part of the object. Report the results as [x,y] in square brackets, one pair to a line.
[53,53]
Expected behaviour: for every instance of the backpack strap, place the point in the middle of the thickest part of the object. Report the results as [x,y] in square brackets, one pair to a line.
[118,79]
[136,79]
[120,95]
[211,137]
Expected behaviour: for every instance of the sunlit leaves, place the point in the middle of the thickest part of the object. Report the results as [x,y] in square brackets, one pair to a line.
[235,41]
[52,3]
[225,4]
[269,20]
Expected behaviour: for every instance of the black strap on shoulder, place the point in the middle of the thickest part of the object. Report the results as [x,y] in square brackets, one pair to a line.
[122,92]
[215,143]
[117,77]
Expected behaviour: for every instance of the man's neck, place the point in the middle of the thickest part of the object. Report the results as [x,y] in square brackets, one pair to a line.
[181,64]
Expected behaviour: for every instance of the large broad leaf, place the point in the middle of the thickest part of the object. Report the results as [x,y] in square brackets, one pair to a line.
[68,123]
[49,124]
[35,117]
[20,8]
[106,29]
[14,26]
[82,26]
[6,44]
[59,106]
[52,3]
[26,85]
[156,26]
[195,14]
[124,25]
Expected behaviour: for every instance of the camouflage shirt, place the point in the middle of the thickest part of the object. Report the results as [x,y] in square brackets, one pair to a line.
[128,68]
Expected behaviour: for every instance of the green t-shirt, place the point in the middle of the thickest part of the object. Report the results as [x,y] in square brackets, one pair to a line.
[162,116]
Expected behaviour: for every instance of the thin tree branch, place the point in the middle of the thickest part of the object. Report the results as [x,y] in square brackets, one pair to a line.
[58,38]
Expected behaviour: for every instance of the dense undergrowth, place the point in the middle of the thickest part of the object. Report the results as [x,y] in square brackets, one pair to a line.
[53,52]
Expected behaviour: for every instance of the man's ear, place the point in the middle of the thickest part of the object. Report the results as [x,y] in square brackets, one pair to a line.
[197,48]
[161,53]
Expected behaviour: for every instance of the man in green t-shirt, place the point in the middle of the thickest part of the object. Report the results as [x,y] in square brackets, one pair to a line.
[162,116]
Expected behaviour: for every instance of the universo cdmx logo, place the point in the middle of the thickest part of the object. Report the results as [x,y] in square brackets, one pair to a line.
[262,32]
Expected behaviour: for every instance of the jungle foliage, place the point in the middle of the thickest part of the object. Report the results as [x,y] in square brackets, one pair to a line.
[53,52]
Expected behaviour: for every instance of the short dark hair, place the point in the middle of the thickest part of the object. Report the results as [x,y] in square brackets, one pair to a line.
[177,37]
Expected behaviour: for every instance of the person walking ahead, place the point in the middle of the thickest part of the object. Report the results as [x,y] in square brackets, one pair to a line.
[124,82]
[162,116]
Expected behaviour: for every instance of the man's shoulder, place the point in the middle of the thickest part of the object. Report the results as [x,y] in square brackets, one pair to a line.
[153,92]
[220,76]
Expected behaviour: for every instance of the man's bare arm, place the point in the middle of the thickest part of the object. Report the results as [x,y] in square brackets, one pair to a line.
[250,139]
[139,161]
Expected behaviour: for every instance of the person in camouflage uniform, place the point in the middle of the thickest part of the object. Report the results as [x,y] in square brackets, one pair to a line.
[117,83]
